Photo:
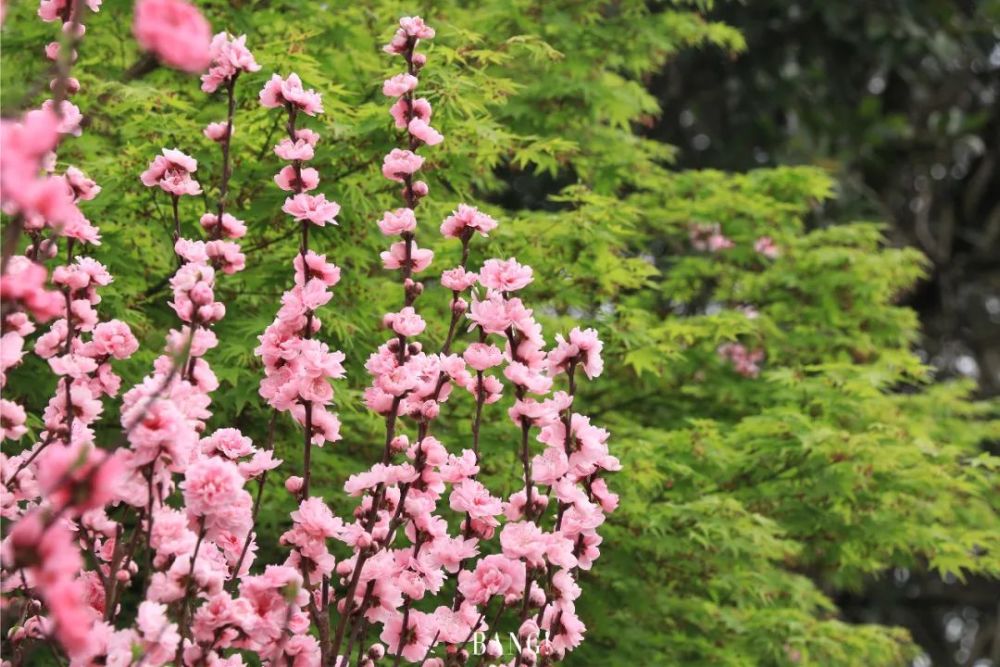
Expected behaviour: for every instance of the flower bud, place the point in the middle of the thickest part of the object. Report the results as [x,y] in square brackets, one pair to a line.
[294,484]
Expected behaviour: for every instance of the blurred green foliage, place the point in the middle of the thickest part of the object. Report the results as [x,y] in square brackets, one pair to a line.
[746,502]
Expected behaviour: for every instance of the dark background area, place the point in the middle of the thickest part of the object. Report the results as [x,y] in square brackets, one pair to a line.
[898,99]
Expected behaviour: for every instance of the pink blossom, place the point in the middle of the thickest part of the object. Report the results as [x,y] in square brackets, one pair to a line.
[172,172]
[401,111]
[583,347]
[571,629]
[406,322]
[395,257]
[424,132]
[226,256]
[24,283]
[261,461]
[718,242]
[472,497]
[288,179]
[524,540]
[79,474]
[467,217]
[458,279]
[175,31]
[399,163]
[414,26]
[69,119]
[52,10]
[114,338]
[313,524]
[396,222]
[300,149]
[159,636]
[314,208]
[231,227]
[83,188]
[491,313]
[493,575]
[229,57]
[209,485]
[745,362]
[418,637]
[504,275]
[766,246]
[318,268]
[72,84]
[399,85]
[25,143]
[217,131]
[12,418]
[482,356]
[229,442]
[278,92]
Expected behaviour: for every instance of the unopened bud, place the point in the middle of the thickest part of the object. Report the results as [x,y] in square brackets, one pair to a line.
[294,484]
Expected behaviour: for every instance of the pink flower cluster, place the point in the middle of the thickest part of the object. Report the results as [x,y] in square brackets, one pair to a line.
[709,238]
[229,57]
[172,173]
[766,246]
[746,362]
[298,368]
[431,554]
[62,479]
[175,32]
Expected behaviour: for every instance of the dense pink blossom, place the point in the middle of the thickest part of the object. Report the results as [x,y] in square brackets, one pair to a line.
[25,143]
[504,275]
[175,31]
[424,132]
[399,85]
[583,347]
[467,217]
[423,522]
[709,237]
[400,163]
[171,172]
[230,226]
[52,10]
[314,208]
[482,356]
[82,188]
[396,222]
[745,361]
[303,180]
[278,92]
[458,279]
[229,57]
[766,246]
[218,131]
[395,257]
[404,111]
[300,149]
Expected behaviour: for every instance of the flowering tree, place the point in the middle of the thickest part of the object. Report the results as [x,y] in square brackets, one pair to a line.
[142,550]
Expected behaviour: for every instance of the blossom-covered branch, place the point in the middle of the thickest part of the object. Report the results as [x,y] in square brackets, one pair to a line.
[431,560]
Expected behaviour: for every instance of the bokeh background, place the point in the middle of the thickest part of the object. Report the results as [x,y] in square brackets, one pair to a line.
[838,506]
